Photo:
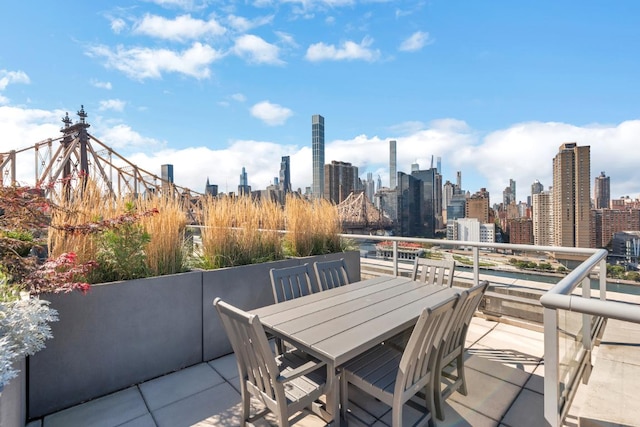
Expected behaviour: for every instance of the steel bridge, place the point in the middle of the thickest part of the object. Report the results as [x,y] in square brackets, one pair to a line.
[359,216]
[76,154]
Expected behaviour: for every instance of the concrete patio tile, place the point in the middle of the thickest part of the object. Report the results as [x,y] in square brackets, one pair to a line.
[458,415]
[486,394]
[409,416]
[536,380]
[35,423]
[226,366]
[519,349]
[498,363]
[143,421]
[216,406]
[108,411]
[521,331]
[178,385]
[478,328]
[526,411]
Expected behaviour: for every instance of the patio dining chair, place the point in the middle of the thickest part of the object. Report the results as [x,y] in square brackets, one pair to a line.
[395,378]
[433,271]
[289,283]
[285,384]
[452,349]
[331,274]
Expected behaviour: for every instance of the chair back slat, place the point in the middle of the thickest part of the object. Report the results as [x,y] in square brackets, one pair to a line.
[290,282]
[419,356]
[434,272]
[462,318]
[256,362]
[331,274]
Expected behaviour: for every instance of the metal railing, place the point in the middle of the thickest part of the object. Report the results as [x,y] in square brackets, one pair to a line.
[571,320]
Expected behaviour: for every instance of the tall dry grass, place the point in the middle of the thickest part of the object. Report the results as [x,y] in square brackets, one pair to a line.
[165,252]
[89,206]
[312,227]
[239,231]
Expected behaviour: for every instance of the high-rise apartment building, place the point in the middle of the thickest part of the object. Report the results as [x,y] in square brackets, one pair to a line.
[602,191]
[478,206]
[605,223]
[393,172]
[542,207]
[339,180]
[520,231]
[572,196]
[166,173]
[284,183]
[536,188]
[317,148]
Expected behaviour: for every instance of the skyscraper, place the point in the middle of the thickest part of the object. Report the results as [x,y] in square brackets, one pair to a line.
[243,188]
[393,173]
[285,175]
[431,199]
[166,173]
[536,188]
[317,148]
[339,180]
[572,196]
[602,191]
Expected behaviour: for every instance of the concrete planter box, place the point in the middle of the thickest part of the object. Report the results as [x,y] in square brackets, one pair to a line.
[13,402]
[124,333]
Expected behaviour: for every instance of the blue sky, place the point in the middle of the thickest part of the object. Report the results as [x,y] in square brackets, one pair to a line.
[493,88]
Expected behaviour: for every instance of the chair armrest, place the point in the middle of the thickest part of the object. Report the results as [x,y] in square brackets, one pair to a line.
[303,369]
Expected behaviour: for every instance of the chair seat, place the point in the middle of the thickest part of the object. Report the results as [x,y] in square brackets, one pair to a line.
[375,372]
[311,384]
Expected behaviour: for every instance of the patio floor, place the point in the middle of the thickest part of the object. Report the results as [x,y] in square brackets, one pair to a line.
[504,375]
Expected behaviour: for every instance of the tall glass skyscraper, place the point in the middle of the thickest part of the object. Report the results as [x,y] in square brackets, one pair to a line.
[393,172]
[317,147]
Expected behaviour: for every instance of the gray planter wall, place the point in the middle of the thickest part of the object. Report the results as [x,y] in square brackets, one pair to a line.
[13,402]
[124,333]
[116,335]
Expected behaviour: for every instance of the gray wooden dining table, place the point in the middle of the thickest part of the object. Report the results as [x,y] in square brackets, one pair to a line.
[338,324]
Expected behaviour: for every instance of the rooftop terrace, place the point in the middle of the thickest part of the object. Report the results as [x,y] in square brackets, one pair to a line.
[505,373]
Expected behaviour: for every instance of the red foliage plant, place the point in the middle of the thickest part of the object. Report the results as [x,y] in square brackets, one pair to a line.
[62,274]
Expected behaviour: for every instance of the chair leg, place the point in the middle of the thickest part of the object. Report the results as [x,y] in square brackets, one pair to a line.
[460,367]
[396,416]
[246,405]
[437,394]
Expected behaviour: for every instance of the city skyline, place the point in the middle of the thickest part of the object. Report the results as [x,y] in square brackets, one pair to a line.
[492,90]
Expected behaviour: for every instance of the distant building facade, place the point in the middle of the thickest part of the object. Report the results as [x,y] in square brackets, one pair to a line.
[317,149]
[471,230]
[392,165]
[478,206]
[536,188]
[542,214]
[340,180]
[284,183]
[572,196]
[602,191]
[605,223]
[520,231]
[243,188]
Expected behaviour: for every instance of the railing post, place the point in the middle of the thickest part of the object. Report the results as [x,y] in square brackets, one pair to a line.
[395,257]
[603,279]
[551,368]
[586,318]
[476,265]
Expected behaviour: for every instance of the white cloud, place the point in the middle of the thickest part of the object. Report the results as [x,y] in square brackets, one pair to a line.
[415,42]
[271,114]
[238,97]
[348,50]
[118,25]
[112,104]
[181,4]
[101,85]
[286,39]
[11,77]
[255,50]
[122,136]
[142,63]
[182,28]
[242,24]
[522,151]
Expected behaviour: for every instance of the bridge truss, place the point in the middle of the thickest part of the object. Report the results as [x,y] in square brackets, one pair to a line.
[358,214]
[59,161]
